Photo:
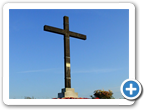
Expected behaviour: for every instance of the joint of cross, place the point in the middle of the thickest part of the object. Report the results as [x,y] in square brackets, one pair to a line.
[66,23]
[68,77]
[66,57]
[67,37]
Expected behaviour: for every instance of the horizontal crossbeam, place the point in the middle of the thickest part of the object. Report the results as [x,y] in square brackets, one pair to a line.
[61,31]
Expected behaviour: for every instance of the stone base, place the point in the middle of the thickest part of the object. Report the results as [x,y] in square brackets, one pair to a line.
[68,92]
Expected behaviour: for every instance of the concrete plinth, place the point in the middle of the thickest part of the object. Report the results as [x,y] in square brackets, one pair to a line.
[68,92]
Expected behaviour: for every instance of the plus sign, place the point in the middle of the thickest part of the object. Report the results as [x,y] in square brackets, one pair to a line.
[131,89]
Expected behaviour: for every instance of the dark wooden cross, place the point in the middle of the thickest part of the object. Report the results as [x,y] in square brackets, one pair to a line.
[66,34]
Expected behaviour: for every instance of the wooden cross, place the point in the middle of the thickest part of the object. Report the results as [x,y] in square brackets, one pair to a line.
[66,34]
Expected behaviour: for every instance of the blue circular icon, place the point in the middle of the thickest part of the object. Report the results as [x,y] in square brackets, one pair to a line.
[130,89]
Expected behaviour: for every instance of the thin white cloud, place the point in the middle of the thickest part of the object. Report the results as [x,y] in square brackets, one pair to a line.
[42,70]
[60,71]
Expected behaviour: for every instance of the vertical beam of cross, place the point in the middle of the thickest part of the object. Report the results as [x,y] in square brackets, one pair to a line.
[67,53]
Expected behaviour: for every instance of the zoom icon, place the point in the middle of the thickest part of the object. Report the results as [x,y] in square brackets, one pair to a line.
[131,89]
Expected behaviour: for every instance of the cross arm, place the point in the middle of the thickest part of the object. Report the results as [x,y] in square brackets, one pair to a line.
[77,35]
[54,29]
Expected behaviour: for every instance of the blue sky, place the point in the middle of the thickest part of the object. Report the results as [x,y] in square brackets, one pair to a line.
[36,57]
